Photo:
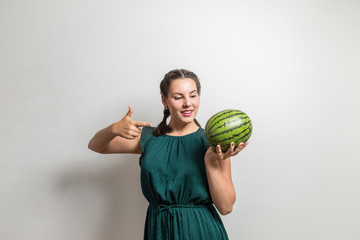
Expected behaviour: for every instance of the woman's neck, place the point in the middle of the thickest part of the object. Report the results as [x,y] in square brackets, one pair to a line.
[182,129]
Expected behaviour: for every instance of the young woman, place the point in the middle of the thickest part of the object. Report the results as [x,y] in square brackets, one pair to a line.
[182,177]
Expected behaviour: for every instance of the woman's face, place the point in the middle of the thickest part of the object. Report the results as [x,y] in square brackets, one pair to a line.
[183,101]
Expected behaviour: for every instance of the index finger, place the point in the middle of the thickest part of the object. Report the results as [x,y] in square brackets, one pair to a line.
[142,124]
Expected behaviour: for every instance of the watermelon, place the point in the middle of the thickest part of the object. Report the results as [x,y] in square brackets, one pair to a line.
[226,127]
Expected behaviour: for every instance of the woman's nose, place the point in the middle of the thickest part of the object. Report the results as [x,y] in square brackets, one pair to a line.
[187,102]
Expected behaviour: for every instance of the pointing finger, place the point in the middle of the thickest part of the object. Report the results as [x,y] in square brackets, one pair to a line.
[142,124]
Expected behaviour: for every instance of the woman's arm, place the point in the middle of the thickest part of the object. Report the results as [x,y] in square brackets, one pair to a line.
[120,137]
[218,170]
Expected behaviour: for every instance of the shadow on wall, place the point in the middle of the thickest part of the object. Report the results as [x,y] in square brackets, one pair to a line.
[104,198]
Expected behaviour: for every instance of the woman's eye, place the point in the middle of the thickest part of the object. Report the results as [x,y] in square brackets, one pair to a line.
[193,96]
[177,98]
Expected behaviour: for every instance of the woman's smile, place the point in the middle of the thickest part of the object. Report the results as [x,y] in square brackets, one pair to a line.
[187,113]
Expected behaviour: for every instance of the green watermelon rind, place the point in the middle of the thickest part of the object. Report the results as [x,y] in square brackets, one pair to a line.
[238,129]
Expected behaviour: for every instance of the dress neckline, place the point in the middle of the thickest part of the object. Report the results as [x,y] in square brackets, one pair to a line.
[183,135]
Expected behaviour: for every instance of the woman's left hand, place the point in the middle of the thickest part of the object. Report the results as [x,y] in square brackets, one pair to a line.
[217,155]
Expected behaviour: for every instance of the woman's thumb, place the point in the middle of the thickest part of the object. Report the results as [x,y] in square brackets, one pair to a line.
[130,112]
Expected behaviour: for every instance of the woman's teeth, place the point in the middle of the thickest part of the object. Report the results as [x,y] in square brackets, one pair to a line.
[186,113]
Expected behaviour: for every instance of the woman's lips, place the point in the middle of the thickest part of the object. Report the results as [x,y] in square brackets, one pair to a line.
[187,113]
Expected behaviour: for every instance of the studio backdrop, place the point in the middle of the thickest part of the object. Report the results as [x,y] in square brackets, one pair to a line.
[71,68]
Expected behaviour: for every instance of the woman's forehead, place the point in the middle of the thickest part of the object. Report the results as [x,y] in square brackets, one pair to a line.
[183,85]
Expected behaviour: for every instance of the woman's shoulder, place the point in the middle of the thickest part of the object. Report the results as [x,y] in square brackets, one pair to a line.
[201,134]
[148,129]
[146,134]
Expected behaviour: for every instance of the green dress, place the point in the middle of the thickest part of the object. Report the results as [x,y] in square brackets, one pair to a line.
[174,181]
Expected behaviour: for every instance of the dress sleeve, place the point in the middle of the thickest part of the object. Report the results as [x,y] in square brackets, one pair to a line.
[146,134]
[204,141]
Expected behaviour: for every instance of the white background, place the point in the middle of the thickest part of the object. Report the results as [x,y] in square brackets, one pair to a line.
[71,68]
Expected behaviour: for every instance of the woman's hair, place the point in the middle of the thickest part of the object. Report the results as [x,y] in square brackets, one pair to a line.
[165,84]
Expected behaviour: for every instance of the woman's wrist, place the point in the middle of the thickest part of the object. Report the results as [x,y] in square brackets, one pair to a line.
[113,130]
[211,162]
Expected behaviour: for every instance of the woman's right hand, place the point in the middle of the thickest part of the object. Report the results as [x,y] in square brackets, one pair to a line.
[128,128]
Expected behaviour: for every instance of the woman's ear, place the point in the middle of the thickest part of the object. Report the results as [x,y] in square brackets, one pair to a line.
[163,99]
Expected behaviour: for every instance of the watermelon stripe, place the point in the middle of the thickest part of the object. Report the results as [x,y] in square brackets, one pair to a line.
[224,141]
[247,132]
[211,120]
[224,112]
[229,121]
[247,136]
[244,123]
[213,124]
[246,126]
[228,117]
